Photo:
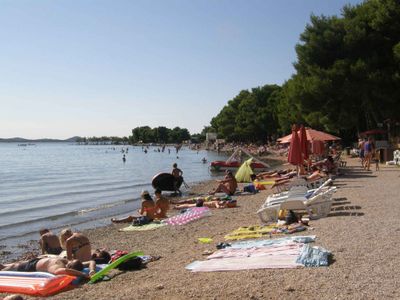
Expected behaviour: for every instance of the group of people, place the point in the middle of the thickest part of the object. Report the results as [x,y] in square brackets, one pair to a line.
[149,210]
[368,153]
[67,254]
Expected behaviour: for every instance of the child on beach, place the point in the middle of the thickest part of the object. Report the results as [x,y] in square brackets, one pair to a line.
[376,159]
[147,211]
[49,242]
[178,179]
[162,205]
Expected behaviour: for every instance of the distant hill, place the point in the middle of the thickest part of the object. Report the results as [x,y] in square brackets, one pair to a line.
[22,140]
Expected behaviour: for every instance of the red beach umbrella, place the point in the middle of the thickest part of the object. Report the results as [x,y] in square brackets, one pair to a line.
[317,147]
[303,142]
[312,135]
[294,156]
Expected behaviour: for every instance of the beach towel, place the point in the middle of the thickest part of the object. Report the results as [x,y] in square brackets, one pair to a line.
[265,254]
[150,226]
[314,256]
[272,242]
[191,214]
[252,232]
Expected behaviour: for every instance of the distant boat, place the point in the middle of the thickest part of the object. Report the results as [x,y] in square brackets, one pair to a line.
[235,161]
[22,145]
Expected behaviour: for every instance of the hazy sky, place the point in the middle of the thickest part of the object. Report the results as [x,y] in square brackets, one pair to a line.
[104,67]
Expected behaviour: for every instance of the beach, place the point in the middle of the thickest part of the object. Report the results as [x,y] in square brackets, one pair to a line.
[362,232]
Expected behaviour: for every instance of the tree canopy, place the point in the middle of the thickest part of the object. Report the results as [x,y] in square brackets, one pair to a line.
[160,134]
[347,79]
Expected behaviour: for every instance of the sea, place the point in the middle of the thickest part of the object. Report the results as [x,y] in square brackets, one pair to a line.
[58,185]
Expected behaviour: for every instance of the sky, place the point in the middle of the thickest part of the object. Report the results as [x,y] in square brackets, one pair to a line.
[102,68]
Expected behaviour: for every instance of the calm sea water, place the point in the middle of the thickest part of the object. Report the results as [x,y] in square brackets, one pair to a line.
[54,185]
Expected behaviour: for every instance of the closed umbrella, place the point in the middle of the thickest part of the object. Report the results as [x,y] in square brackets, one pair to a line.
[303,142]
[294,156]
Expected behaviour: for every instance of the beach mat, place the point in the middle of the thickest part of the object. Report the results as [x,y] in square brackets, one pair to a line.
[252,232]
[146,227]
[189,215]
[33,283]
[283,253]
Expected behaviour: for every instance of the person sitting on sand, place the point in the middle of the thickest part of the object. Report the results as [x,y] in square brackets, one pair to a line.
[49,242]
[228,185]
[209,204]
[147,211]
[76,244]
[162,205]
[53,265]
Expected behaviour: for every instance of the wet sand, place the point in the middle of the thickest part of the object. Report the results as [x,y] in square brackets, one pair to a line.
[362,231]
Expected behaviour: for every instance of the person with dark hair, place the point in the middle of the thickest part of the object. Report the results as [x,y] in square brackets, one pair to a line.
[178,179]
[101,256]
[49,242]
[147,211]
[54,265]
[162,205]
[228,185]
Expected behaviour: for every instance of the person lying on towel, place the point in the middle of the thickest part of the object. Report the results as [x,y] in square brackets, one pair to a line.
[209,204]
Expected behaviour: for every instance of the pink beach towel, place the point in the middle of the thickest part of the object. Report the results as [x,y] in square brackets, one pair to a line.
[189,215]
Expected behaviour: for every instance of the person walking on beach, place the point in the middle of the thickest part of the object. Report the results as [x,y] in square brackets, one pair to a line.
[368,152]
[178,179]
[49,242]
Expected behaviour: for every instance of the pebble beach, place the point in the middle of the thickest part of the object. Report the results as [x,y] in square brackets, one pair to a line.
[362,232]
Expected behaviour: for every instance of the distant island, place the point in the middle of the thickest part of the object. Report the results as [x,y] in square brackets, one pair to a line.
[73,139]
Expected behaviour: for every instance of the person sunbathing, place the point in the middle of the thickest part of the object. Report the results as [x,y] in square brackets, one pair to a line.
[162,205]
[228,185]
[147,211]
[76,244]
[209,204]
[49,242]
[314,176]
[53,265]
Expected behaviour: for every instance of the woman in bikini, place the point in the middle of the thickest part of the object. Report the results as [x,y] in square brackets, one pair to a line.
[147,211]
[76,244]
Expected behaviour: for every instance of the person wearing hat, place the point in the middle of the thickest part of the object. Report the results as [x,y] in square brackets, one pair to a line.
[146,212]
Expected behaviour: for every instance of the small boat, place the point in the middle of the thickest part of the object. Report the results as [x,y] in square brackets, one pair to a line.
[235,161]
[220,166]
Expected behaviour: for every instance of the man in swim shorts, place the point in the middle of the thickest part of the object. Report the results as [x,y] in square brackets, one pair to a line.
[54,265]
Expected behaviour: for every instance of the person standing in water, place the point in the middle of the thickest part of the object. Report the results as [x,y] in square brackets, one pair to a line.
[178,179]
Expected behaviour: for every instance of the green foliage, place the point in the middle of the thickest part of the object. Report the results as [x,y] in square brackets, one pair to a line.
[347,79]
[145,134]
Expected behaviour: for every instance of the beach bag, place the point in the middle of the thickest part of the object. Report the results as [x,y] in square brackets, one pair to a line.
[134,263]
[291,218]
[250,189]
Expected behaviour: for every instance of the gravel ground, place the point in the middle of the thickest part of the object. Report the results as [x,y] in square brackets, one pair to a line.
[362,231]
